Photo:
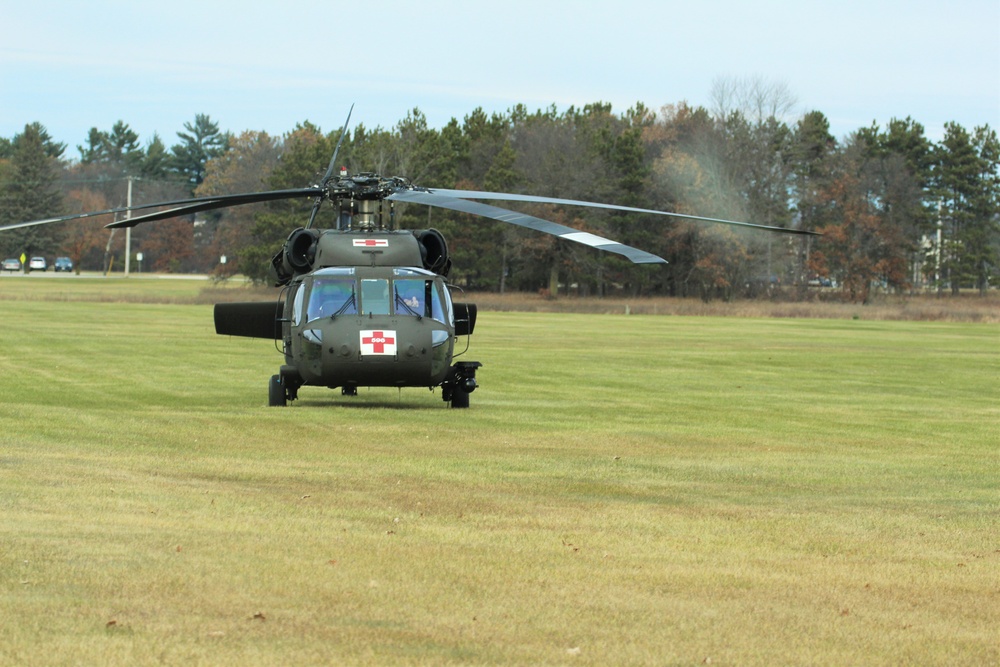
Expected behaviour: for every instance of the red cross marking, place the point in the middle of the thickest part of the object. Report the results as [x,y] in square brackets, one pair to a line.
[378,340]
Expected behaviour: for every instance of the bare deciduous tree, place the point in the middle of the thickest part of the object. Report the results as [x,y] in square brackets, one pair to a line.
[754,97]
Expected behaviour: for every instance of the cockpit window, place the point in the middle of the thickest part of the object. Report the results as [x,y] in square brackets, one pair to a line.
[418,297]
[335,292]
[375,296]
[300,293]
[330,297]
[410,297]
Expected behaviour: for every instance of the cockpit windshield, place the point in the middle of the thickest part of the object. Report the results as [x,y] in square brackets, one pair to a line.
[336,291]
[375,296]
[330,297]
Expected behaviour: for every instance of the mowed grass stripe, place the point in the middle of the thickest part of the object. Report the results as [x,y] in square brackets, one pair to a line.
[624,490]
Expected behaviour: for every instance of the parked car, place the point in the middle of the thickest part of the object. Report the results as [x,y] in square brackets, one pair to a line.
[37,264]
[63,264]
[12,265]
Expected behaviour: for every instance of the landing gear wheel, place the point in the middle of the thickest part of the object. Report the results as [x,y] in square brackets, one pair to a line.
[460,383]
[276,396]
[459,398]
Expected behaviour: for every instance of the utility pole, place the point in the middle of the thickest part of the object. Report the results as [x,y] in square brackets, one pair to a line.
[128,230]
[937,267]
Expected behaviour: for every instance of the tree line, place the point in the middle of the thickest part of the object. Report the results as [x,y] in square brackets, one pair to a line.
[897,211]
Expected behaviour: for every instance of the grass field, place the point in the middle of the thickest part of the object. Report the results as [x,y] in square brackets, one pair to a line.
[639,490]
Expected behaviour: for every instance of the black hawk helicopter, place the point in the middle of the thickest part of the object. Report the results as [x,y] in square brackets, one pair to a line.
[364,304]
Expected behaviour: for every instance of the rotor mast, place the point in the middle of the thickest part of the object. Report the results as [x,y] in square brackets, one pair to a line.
[361,201]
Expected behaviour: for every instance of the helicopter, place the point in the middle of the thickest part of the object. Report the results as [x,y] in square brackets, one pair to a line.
[364,304]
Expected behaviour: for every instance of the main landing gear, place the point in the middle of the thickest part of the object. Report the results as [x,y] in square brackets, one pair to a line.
[276,395]
[460,383]
[280,390]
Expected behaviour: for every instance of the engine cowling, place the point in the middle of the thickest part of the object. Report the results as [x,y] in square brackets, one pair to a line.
[434,251]
[300,250]
[295,257]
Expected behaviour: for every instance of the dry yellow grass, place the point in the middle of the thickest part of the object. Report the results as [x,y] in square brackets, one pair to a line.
[642,490]
[152,288]
[965,308]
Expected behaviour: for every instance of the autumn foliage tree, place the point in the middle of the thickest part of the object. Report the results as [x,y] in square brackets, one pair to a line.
[84,236]
[302,156]
[245,167]
[883,195]
[861,247]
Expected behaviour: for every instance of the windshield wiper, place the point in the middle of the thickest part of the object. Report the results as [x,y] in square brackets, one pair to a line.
[347,304]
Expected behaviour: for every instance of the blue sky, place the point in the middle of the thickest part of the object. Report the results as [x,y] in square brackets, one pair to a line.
[269,65]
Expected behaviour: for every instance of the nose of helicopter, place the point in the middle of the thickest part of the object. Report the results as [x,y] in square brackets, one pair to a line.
[363,351]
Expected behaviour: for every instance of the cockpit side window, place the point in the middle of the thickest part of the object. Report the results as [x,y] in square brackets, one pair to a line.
[300,293]
[437,312]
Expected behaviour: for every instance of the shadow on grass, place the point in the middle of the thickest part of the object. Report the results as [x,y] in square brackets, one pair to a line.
[337,402]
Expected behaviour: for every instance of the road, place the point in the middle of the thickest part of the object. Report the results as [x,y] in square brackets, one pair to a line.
[98,274]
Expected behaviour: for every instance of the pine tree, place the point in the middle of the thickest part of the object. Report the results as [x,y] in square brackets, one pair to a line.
[982,243]
[156,161]
[812,148]
[202,141]
[958,184]
[30,191]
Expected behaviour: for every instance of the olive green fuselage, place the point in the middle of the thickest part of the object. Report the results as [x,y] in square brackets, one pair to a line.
[378,339]
[361,309]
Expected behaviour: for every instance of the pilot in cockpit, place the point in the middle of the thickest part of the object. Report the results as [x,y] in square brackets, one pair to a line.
[410,297]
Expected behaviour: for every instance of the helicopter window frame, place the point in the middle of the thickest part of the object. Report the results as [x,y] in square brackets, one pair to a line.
[412,272]
[339,271]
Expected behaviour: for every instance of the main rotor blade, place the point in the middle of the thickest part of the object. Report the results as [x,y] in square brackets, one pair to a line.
[189,206]
[474,194]
[436,198]
[182,207]
[164,215]
[31,223]
[329,170]
[333,160]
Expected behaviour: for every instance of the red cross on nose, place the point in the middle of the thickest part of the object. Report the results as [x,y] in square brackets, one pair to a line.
[378,340]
